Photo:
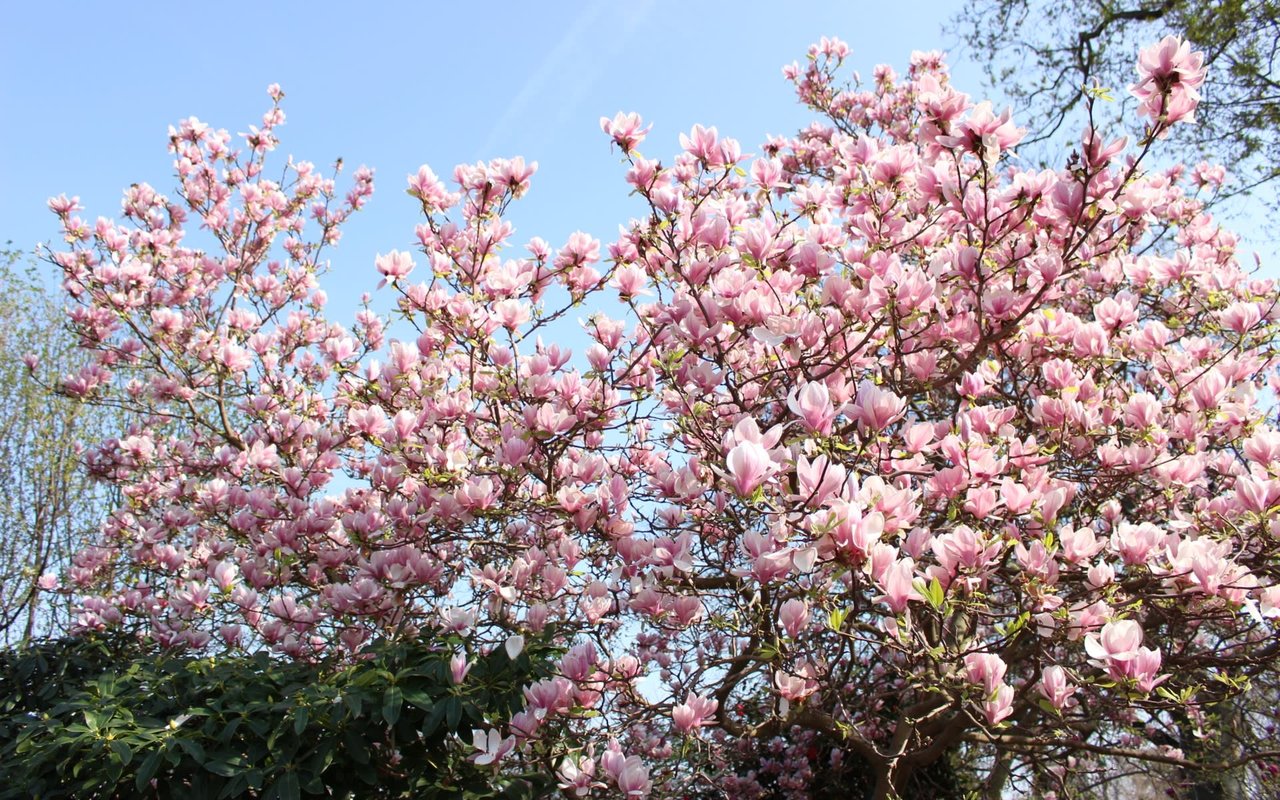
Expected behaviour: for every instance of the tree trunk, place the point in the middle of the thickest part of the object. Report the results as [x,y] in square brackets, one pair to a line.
[888,779]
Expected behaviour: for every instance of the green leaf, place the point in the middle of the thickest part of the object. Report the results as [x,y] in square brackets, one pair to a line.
[1100,93]
[419,696]
[94,719]
[286,788]
[354,702]
[235,787]
[766,652]
[1047,707]
[122,750]
[224,767]
[837,618]
[356,746]
[453,712]
[148,769]
[934,594]
[230,729]
[392,702]
[433,719]
[192,748]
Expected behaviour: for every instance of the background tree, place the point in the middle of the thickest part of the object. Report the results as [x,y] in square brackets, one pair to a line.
[1043,55]
[50,507]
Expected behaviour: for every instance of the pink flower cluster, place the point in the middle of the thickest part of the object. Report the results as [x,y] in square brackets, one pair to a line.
[1169,78]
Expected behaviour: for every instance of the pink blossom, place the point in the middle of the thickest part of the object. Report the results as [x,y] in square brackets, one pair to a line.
[869,368]
[812,403]
[394,266]
[513,646]
[625,129]
[1056,689]
[1169,74]
[897,583]
[493,748]
[630,281]
[1263,447]
[1136,543]
[796,685]
[999,706]
[1079,544]
[633,778]
[986,670]
[749,465]
[1141,669]
[818,480]
[1240,317]
[794,617]
[1100,575]
[459,666]
[1118,641]
[693,712]
[703,144]
[963,548]
[577,776]
[234,358]
[876,409]
[985,134]
[1257,494]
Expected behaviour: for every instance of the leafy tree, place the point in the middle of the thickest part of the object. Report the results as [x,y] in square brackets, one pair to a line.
[1044,55]
[105,718]
[898,446]
[49,507]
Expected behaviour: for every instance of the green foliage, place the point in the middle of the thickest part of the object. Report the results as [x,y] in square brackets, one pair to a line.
[103,718]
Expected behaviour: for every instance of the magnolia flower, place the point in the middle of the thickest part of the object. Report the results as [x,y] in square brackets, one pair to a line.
[999,705]
[1055,688]
[986,670]
[693,712]
[1141,669]
[898,585]
[459,667]
[749,465]
[876,409]
[1169,75]
[1118,641]
[393,266]
[633,778]
[794,617]
[812,404]
[798,685]
[492,746]
[625,129]
[577,776]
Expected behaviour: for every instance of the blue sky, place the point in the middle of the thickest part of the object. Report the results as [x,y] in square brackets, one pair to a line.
[90,89]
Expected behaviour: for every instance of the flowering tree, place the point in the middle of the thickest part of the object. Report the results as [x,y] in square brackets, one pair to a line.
[889,442]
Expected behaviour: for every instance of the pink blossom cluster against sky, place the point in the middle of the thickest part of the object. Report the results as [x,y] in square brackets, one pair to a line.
[89,90]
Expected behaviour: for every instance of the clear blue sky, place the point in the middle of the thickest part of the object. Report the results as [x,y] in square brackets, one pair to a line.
[88,90]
